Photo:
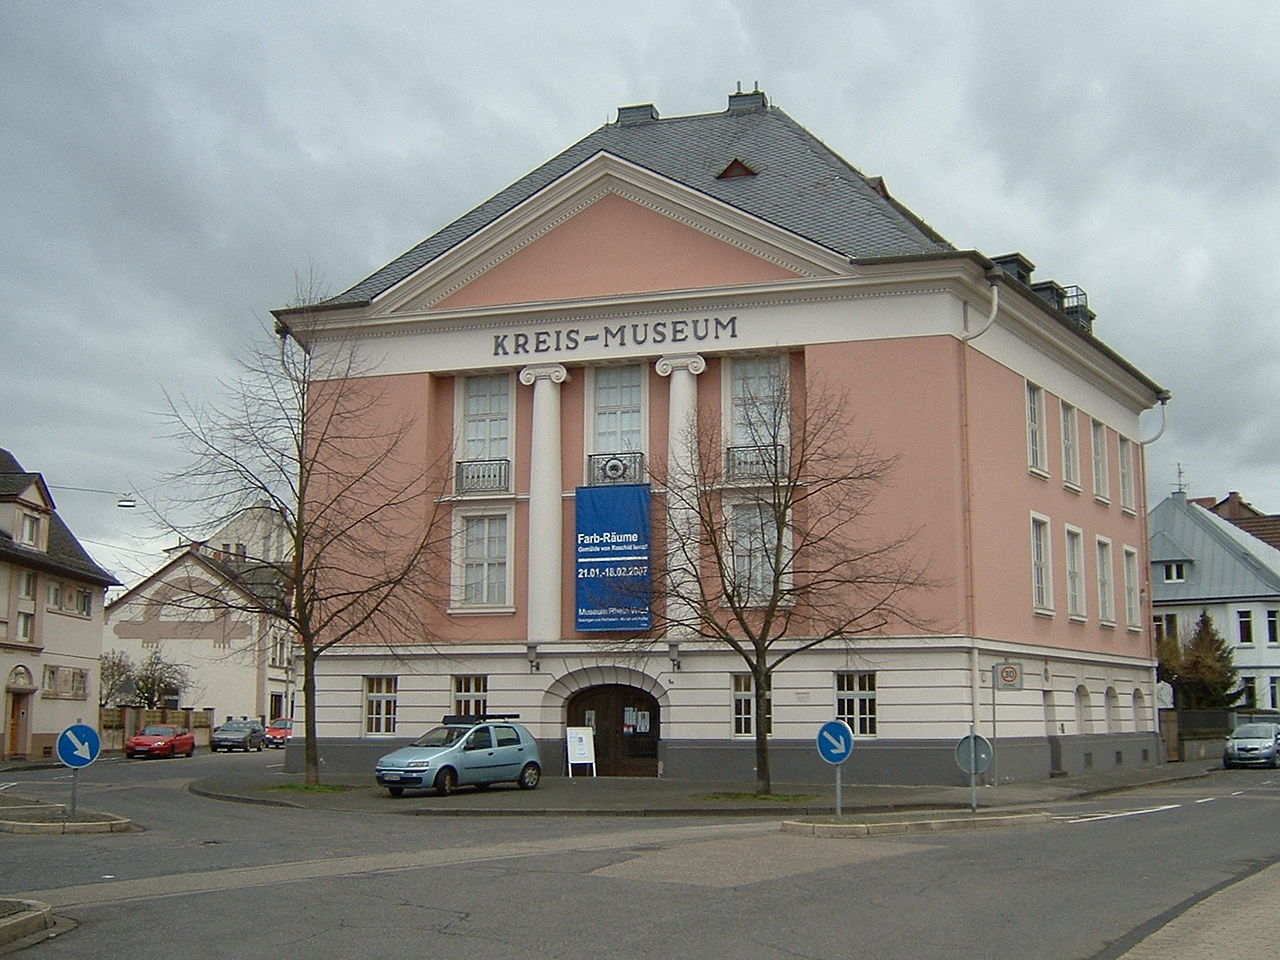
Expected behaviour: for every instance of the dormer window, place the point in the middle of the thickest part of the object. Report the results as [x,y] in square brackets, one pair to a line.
[1175,572]
[735,169]
[29,530]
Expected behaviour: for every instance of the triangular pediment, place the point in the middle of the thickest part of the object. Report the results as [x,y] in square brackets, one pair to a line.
[609,228]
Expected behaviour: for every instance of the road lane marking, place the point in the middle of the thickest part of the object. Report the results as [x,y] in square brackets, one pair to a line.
[1092,817]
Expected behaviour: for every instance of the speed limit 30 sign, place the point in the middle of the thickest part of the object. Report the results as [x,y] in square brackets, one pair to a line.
[1007,676]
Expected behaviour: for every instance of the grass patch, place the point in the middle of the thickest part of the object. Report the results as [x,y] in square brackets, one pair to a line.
[767,797]
[313,787]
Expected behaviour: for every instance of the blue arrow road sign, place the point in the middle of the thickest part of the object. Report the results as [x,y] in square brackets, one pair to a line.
[835,741]
[79,745]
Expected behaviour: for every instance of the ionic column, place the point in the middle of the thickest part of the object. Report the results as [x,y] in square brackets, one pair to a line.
[682,478]
[546,511]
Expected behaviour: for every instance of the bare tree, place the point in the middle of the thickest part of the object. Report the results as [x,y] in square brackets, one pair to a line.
[307,431]
[156,680]
[115,677]
[773,548]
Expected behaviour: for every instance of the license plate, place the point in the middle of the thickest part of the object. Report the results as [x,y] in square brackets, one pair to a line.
[391,776]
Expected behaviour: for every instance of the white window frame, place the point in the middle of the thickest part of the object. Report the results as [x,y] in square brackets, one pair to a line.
[1037,443]
[471,694]
[1273,626]
[1128,492]
[1070,446]
[1106,574]
[744,706]
[381,704]
[618,408]
[460,603]
[486,447]
[1041,564]
[1101,468]
[25,626]
[1132,590]
[28,529]
[83,602]
[1244,627]
[856,701]
[1175,571]
[760,580]
[1077,607]
[27,585]
[741,398]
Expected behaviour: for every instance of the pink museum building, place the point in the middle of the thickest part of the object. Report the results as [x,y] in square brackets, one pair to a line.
[565,335]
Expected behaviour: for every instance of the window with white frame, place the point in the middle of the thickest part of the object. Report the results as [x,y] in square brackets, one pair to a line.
[1106,583]
[754,532]
[1165,626]
[27,585]
[1275,693]
[744,706]
[1075,573]
[380,697]
[483,560]
[25,625]
[1273,626]
[618,409]
[53,595]
[1041,569]
[1037,448]
[856,702]
[1128,495]
[28,529]
[1175,572]
[65,683]
[471,695]
[84,603]
[1132,604]
[1244,625]
[486,417]
[758,400]
[1250,687]
[1070,446]
[1101,477]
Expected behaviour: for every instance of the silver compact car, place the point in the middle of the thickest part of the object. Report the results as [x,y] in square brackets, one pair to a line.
[1253,745]
[476,750]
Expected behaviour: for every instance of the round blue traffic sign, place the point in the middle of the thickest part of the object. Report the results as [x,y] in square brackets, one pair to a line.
[973,753]
[79,745]
[835,741]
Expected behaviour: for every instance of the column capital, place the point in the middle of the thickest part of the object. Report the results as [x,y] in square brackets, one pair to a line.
[691,362]
[555,372]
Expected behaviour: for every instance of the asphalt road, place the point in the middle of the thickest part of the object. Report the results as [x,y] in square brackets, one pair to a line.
[208,879]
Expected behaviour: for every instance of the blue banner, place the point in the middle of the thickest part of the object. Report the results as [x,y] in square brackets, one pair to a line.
[612,548]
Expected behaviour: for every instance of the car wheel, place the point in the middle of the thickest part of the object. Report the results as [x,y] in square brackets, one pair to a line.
[192,752]
[529,776]
[396,791]
[446,781]
[173,750]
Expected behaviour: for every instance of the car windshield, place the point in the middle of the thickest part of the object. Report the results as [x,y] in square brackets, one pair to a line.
[1254,731]
[441,737]
[281,724]
[239,726]
[154,731]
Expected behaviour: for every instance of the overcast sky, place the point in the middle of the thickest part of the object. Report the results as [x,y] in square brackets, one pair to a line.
[169,169]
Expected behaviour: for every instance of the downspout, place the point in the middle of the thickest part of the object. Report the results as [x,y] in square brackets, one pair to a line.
[1148,610]
[966,506]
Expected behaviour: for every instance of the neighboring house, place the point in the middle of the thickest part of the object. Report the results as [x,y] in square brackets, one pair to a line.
[1233,507]
[1201,562]
[574,327]
[51,596]
[238,662]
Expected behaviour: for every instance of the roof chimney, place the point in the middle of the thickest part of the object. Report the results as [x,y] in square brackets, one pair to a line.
[640,113]
[748,102]
[1016,266]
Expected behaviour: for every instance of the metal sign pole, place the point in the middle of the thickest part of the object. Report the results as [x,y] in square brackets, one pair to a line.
[995,776]
[75,781]
[839,799]
[973,766]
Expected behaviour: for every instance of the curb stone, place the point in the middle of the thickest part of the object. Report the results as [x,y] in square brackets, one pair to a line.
[23,918]
[887,827]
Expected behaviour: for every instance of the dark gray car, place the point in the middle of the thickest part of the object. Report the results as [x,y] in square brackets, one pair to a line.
[243,735]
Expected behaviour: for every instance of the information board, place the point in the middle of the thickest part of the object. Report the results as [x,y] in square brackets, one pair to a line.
[580,747]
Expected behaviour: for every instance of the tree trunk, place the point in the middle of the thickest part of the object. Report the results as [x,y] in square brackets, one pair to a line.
[764,781]
[310,749]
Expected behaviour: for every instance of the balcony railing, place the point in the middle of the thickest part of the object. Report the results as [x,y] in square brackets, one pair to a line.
[756,462]
[482,476]
[603,468]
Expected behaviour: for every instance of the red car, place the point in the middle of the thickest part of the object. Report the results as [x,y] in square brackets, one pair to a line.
[279,732]
[160,740]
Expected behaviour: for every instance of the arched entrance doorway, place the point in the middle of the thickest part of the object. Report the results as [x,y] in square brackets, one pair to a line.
[627,728]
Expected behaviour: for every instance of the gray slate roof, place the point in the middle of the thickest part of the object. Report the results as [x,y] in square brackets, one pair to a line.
[65,554]
[1223,561]
[800,185]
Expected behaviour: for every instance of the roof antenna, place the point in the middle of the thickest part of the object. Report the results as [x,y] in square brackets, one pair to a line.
[1182,484]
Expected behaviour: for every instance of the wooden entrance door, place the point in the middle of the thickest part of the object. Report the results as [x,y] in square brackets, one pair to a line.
[626,724]
[17,726]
